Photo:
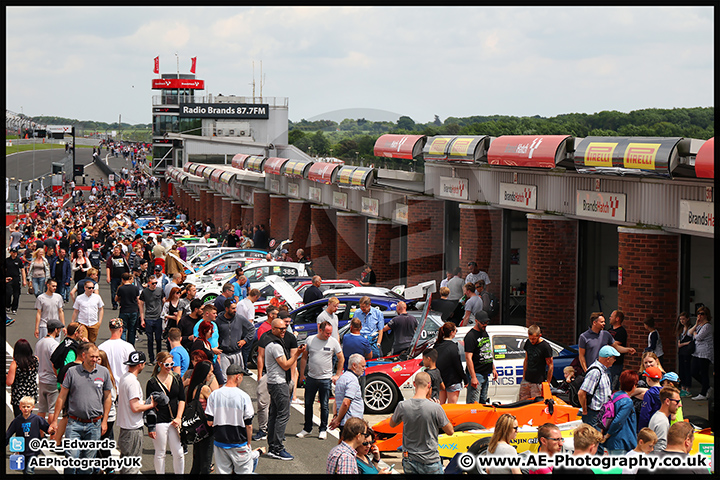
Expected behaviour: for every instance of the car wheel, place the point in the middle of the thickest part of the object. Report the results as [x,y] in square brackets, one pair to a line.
[209,297]
[380,395]
[479,448]
[252,358]
[464,427]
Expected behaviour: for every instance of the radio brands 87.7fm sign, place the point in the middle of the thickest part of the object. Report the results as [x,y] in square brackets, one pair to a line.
[626,155]
[246,111]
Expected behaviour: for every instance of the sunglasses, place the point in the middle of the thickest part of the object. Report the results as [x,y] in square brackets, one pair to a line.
[169,364]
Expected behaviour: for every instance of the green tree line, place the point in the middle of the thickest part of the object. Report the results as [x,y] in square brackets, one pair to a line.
[355,139]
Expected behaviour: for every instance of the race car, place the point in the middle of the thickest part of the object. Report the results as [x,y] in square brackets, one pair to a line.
[387,377]
[478,418]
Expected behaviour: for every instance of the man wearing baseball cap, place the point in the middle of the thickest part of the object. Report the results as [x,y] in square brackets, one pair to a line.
[596,389]
[130,408]
[651,399]
[233,432]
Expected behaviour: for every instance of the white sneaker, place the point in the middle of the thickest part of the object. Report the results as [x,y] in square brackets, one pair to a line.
[322,435]
[700,396]
[302,434]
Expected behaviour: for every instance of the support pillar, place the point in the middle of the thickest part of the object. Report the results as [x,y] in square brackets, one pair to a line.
[299,226]
[650,263]
[261,210]
[425,240]
[279,217]
[236,213]
[552,276]
[323,241]
[351,243]
[384,251]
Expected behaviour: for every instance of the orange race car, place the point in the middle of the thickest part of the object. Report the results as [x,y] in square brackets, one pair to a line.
[478,416]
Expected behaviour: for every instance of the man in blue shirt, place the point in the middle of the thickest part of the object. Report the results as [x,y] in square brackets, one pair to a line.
[373,322]
[353,342]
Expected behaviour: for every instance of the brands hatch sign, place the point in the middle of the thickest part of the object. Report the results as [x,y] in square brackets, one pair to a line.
[247,111]
[601,205]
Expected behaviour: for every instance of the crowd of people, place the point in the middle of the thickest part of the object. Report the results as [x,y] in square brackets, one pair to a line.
[199,353]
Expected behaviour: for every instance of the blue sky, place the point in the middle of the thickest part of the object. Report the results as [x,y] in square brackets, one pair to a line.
[96,63]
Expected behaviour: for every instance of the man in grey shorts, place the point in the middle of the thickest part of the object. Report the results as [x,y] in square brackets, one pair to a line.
[47,378]
[130,408]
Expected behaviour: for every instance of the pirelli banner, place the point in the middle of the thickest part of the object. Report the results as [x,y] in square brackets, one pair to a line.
[464,148]
[627,155]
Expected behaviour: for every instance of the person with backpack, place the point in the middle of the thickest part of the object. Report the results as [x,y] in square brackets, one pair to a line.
[490,304]
[596,389]
[620,435]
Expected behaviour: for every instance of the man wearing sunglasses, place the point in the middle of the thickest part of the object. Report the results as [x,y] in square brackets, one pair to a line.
[88,310]
[550,442]
[150,305]
[660,421]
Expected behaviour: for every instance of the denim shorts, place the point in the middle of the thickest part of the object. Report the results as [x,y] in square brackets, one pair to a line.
[455,387]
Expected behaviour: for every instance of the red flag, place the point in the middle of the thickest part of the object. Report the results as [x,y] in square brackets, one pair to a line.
[157,65]
[194,61]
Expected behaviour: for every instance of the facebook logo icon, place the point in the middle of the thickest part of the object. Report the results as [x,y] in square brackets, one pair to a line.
[17,462]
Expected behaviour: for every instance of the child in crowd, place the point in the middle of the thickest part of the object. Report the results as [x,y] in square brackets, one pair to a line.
[654,341]
[28,426]
[651,399]
[429,361]
[671,379]
[646,441]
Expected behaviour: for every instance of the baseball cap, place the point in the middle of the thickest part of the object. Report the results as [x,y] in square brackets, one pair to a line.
[234,369]
[115,323]
[158,267]
[653,372]
[54,324]
[482,317]
[135,358]
[608,351]
[672,376]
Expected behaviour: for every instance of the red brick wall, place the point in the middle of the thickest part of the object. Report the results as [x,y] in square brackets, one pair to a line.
[235,213]
[481,242]
[323,239]
[226,214]
[261,210]
[279,219]
[384,252]
[552,276]
[650,262]
[207,205]
[217,211]
[247,218]
[299,226]
[426,239]
[351,243]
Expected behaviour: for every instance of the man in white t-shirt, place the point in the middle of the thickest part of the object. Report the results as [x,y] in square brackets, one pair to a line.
[49,306]
[130,408]
[117,349]
[321,349]
[88,310]
[329,315]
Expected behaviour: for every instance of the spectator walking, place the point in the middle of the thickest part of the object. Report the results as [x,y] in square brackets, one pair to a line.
[187,323]
[479,360]
[704,354]
[109,434]
[48,306]
[318,357]
[47,378]
[22,375]
[61,271]
[367,455]
[313,292]
[422,419]
[14,277]
[230,413]
[646,440]
[550,442]
[586,441]
[130,409]
[473,306]
[87,391]
[38,271]
[456,285]
[150,305]
[651,400]
[200,388]
[233,333]
[117,349]
[680,441]
[80,265]
[621,434]
[537,366]
[28,426]
[88,310]
[596,389]
[181,357]
[169,417]
[348,394]
[448,363]
[127,297]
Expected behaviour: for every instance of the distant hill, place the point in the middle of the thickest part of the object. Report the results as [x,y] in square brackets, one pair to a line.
[370,114]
